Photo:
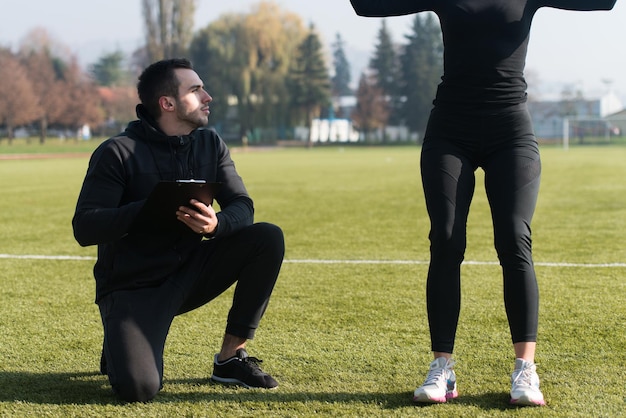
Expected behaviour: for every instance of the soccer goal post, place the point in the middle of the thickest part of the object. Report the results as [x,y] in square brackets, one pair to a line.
[591,130]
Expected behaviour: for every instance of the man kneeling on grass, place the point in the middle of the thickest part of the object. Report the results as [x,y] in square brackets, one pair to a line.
[147,275]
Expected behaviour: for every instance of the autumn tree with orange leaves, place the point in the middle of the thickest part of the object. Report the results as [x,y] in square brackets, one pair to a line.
[19,104]
[372,109]
[49,87]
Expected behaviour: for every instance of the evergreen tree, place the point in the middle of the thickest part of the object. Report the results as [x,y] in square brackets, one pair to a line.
[421,65]
[384,61]
[309,78]
[341,79]
[384,65]
[108,70]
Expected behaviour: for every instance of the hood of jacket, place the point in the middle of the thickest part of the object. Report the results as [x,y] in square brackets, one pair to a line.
[147,127]
[180,148]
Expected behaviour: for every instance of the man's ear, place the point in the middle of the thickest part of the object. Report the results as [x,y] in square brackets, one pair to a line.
[166,103]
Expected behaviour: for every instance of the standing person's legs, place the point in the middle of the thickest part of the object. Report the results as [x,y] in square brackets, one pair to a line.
[512,177]
[448,181]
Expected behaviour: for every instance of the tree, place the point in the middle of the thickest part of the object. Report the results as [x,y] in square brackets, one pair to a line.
[19,105]
[82,104]
[45,61]
[372,110]
[341,79]
[217,58]
[271,36]
[109,71]
[118,104]
[39,40]
[384,66]
[169,28]
[244,60]
[383,63]
[309,79]
[421,63]
[43,71]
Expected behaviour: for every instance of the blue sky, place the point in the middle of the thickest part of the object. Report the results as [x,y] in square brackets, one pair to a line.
[579,49]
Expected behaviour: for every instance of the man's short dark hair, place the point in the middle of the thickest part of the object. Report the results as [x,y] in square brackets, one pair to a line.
[158,80]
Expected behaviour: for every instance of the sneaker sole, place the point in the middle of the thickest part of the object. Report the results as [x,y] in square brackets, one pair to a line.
[525,401]
[424,398]
[236,382]
[229,381]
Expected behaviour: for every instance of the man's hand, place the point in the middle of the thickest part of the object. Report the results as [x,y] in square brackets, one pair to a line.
[198,217]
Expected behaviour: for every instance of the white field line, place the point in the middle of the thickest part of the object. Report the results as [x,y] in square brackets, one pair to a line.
[44,257]
[316,261]
[467,262]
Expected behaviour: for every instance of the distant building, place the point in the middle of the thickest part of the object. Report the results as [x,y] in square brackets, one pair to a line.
[550,117]
[328,130]
[343,106]
[618,122]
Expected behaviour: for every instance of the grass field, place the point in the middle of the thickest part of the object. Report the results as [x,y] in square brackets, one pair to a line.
[346,331]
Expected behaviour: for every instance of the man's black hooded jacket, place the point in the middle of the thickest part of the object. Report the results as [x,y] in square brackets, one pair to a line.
[122,172]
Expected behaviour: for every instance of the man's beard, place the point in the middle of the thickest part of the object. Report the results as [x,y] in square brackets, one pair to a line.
[194,118]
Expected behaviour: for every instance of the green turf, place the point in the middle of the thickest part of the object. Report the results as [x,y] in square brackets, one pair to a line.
[344,338]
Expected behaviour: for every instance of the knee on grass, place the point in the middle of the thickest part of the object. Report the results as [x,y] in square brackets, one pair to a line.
[137,390]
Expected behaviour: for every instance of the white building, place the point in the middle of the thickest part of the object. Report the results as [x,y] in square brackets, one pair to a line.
[549,117]
[328,130]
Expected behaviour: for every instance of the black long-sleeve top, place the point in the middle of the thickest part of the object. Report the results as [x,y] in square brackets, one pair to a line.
[122,172]
[485,43]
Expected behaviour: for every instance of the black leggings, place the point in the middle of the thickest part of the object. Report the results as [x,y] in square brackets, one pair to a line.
[503,144]
[136,322]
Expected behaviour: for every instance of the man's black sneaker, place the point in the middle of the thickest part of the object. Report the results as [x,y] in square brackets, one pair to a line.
[242,370]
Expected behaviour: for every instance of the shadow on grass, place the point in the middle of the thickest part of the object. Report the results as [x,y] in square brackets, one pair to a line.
[91,388]
[490,401]
[87,388]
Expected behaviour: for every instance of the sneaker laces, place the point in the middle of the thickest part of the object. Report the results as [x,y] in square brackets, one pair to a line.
[253,363]
[525,376]
[434,376]
[438,374]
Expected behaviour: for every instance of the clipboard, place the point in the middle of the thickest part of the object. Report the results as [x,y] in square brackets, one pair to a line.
[159,211]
